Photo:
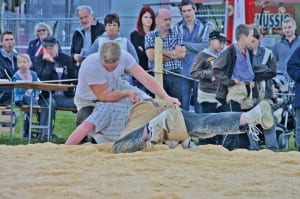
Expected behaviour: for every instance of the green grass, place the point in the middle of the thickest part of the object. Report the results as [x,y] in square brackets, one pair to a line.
[64,125]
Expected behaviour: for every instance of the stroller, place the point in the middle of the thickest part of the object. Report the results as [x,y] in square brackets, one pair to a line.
[283,98]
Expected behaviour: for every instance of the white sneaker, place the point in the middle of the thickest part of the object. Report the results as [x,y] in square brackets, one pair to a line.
[260,114]
[190,145]
[159,126]
[172,144]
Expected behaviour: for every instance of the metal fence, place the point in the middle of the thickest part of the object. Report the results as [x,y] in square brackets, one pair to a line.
[23,29]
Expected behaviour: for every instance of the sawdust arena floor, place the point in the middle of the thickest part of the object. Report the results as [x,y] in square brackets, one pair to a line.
[91,171]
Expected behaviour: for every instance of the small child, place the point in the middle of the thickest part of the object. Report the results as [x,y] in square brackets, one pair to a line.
[21,95]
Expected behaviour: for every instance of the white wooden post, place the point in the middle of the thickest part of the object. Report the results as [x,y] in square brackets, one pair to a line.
[158,61]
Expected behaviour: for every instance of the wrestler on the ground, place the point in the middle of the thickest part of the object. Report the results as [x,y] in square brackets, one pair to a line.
[99,82]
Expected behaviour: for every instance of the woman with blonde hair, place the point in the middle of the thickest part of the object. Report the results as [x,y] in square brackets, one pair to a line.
[23,96]
[41,30]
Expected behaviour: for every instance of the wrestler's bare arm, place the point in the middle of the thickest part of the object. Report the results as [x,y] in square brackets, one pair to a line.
[102,93]
[150,83]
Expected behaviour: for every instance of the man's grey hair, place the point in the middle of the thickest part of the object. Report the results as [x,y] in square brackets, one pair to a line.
[110,52]
[85,7]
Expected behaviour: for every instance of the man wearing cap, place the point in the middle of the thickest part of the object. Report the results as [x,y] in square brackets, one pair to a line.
[54,65]
[195,32]
[202,71]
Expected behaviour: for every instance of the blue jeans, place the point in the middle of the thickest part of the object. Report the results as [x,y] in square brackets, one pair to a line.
[198,125]
[212,108]
[270,140]
[172,85]
[297,128]
[187,87]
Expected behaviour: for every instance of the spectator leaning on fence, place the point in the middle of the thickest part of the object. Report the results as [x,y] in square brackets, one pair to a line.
[8,64]
[173,52]
[84,36]
[202,71]
[195,32]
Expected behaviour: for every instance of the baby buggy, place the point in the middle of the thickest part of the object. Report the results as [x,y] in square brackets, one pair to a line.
[283,98]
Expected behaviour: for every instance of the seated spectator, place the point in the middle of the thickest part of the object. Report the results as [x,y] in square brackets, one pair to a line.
[23,96]
[54,65]
[8,64]
[42,30]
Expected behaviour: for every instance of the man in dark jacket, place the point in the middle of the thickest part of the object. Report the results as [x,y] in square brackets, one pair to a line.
[234,73]
[90,29]
[293,69]
[54,65]
[8,64]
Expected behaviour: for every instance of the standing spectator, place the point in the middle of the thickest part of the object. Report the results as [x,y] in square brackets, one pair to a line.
[84,36]
[173,52]
[293,69]
[112,28]
[54,65]
[234,73]
[264,67]
[283,49]
[35,48]
[195,32]
[21,95]
[202,70]
[145,23]
[8,64]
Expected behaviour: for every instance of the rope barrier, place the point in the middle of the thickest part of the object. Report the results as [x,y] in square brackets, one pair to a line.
[175,74]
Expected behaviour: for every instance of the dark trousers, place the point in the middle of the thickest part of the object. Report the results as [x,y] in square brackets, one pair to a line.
[208,107]
[202,125]
[232,142]
[172,84]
